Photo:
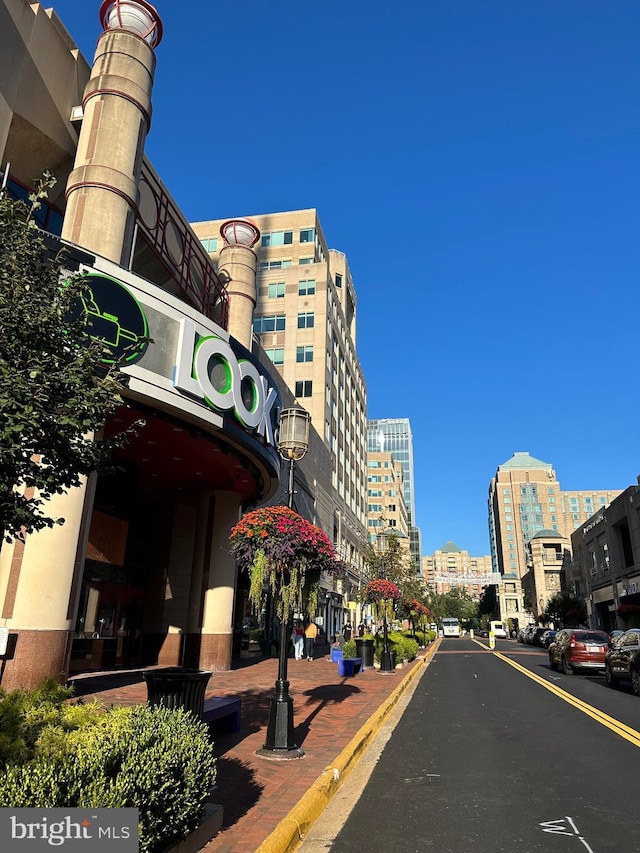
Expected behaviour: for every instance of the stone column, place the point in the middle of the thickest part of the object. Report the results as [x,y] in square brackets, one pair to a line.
[38,590]
[237,266]
[102,190]
[219,586]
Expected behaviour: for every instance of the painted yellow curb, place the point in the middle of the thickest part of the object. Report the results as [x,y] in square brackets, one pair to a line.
[293,828]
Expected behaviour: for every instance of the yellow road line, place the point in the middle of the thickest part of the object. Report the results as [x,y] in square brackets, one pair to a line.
[616,726]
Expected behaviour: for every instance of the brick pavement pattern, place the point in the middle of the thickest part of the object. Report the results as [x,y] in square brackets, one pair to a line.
[258,793]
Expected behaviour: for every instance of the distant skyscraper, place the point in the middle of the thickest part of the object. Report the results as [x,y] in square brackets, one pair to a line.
[393,435]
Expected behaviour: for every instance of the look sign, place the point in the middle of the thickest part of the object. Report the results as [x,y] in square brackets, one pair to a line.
[208,369]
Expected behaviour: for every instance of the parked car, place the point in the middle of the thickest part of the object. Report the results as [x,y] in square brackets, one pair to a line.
[528,637]
[578,648]
[525,633]
[622,661]
[615,635]
[534,638]
[520,637]
[547,638]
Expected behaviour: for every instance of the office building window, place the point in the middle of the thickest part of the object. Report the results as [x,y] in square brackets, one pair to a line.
[307,287]
[210,244]
[276,354]
[305,320]
[307,235]
[269,323]
[304,353]
[276,290]
[277,238]
[275,265]
[304,388]
[338,278]
[303,261]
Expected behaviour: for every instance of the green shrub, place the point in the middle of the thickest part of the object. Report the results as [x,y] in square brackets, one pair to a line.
[349,649]
[27,716]
[406,648]
[151,758]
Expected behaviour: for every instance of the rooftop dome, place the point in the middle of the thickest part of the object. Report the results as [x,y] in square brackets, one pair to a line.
[522,460]
[548,534]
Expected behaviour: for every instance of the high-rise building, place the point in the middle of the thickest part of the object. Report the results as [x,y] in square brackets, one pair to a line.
[386,506]
[305,320]
[451,567]
[393,435]
[525,498]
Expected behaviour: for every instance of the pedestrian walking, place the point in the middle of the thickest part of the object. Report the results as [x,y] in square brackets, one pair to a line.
[297,638]
[310,634]
[361,630]
[346,631]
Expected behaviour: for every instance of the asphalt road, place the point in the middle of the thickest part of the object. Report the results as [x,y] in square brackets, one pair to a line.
[495,752]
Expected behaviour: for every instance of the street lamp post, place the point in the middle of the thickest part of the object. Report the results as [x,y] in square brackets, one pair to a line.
[382,547]
[279,744]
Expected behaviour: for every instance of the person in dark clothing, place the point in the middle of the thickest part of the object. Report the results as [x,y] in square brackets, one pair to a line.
[346,631]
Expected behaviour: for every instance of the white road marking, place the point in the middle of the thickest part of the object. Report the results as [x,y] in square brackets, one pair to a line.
[561,826]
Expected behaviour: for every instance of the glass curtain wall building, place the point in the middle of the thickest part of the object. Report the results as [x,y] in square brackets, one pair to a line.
[393,435]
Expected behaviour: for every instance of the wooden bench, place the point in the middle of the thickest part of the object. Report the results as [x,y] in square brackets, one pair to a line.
[349,666]
[225,708]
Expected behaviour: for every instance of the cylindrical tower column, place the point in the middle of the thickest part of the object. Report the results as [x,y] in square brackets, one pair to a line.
[102,190]
[237,268]
[219,587]
[38,591]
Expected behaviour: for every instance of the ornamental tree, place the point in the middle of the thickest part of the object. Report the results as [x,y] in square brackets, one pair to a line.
[285,553]
[55,392]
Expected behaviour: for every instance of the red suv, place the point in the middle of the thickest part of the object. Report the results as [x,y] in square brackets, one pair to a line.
[578,648]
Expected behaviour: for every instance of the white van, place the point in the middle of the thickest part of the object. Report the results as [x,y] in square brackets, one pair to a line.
[499,631]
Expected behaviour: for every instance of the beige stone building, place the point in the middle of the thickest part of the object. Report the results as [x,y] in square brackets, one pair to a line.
[386,507]
[546,555]
[305,320]
[450,567]
[525,498]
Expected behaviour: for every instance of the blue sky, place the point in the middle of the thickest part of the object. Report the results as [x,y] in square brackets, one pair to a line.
[478,162]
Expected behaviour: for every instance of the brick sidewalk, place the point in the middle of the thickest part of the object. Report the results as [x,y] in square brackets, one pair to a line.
[258,793]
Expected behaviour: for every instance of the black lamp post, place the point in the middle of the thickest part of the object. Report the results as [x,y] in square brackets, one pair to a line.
[293,444]
[382,547]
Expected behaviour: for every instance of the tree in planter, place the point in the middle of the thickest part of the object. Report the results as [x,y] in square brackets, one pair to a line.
[56,390]
[416,612]
[566,609]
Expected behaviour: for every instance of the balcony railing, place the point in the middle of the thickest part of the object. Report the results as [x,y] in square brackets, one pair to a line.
[175,244]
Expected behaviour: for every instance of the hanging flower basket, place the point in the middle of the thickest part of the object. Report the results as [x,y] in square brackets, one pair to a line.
[381,590]
[285,553]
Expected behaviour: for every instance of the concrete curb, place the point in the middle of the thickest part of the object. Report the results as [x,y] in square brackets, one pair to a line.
[293,828]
